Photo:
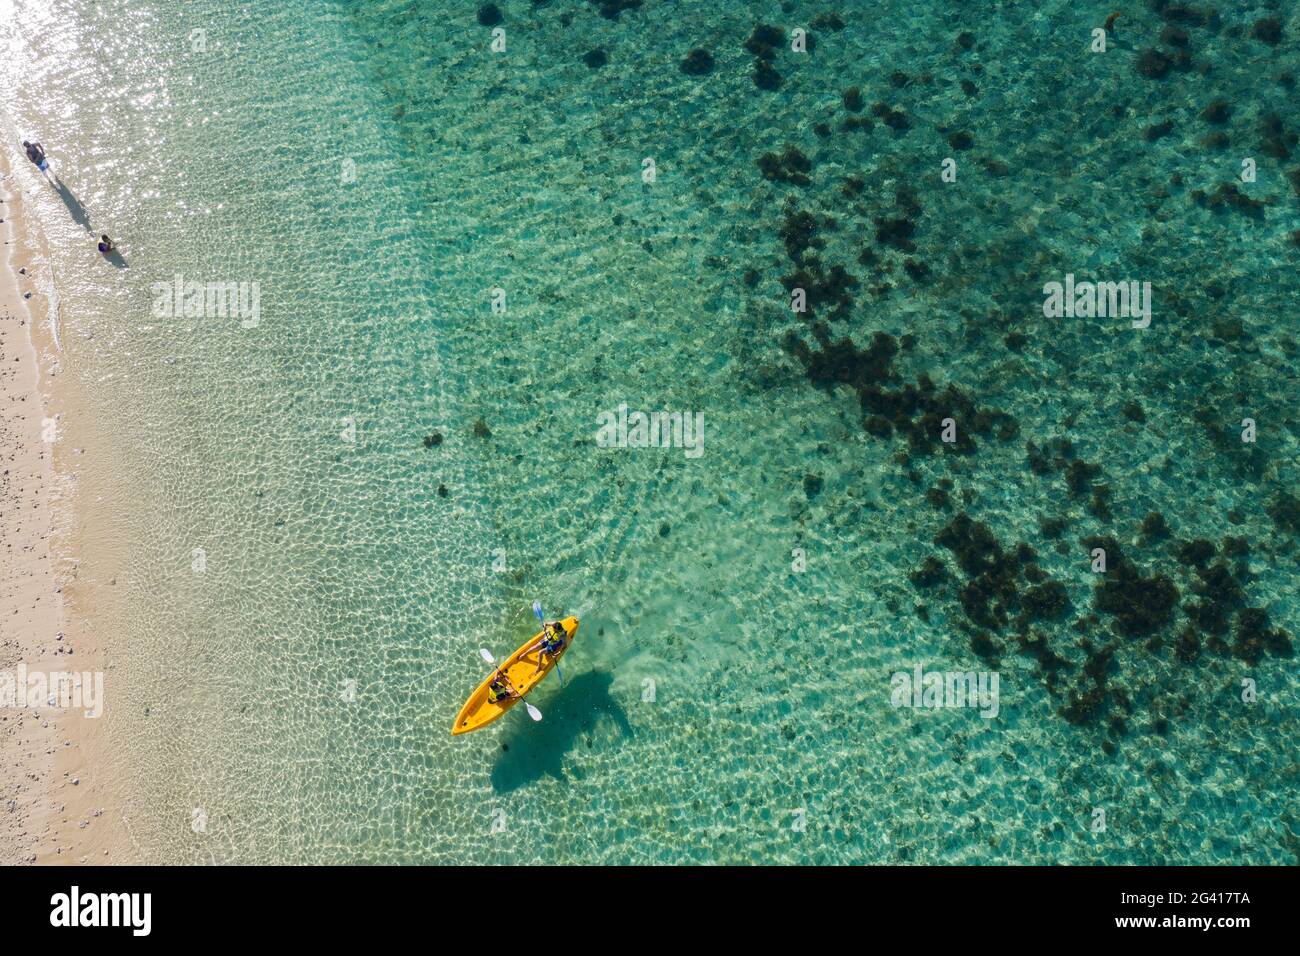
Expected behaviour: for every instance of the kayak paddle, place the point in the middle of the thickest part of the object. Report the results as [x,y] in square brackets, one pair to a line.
[533,712]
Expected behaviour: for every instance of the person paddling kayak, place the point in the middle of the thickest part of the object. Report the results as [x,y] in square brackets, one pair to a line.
[552,642]
[500,689]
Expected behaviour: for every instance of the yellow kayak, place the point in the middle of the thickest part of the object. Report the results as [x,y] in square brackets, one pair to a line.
[520,669]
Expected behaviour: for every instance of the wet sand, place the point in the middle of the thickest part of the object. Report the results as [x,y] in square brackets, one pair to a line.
[58,779]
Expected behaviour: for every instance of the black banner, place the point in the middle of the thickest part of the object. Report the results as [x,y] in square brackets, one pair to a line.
[340,905]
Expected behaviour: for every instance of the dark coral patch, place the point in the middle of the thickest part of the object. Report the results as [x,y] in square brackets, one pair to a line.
[1267,30]
[1154,64]
[1154,527]
[938,497]
[1218,112]
[1099,505]
[1085,704]
[612,9]
[1079,477]
[1195,552]
[1173,35]
[915,410]
[895,119]
[1188,646]
[1255,635]
[842,362]
[766,77]
[823,288]
[916,271]
[764,40]
[1090,698]
[1228,196]
[896,232]
[1275,139]
[1053,527]
[1158,130]
[984,645]
[1182,13]
[991,591]
[919,410]
[790,166]
[698,62]
[877,425]
[800,231]
[1284,509]
[972,544]
[1048,601]
[1040,462]
[1218,596]
[1216,140]
[1233,547]
[1033,643]
[1140,604]
[931,572]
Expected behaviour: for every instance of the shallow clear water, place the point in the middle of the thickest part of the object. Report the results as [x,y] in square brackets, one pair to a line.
[378,170]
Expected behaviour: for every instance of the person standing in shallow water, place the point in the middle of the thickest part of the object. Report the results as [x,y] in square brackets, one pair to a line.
[105,244]
[36,153]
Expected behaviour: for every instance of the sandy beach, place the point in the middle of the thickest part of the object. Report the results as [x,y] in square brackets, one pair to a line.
[56,794]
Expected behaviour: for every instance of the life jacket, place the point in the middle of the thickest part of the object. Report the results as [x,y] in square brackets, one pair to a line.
[498,690]
[553,640]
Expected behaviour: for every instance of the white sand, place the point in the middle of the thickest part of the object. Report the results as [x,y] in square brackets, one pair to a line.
[56,792]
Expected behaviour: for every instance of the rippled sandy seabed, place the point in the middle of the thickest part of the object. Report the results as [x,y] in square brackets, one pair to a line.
[325,512]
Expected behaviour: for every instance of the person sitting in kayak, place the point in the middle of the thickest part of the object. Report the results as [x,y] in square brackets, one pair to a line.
[500,689]
[552,642]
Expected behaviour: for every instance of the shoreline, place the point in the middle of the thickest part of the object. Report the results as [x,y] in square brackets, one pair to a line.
[57,791]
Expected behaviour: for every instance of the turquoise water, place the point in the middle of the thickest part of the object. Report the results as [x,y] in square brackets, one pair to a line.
[379,170]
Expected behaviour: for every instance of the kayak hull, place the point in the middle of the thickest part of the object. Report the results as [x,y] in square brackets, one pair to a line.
[521,670]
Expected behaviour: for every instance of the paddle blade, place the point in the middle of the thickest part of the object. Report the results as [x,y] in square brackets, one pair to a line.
[537,609]
[533,712]
[484,653]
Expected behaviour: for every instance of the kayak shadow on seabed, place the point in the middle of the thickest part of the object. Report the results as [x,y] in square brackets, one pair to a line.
[533,750]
